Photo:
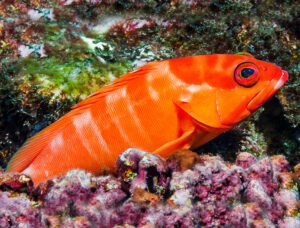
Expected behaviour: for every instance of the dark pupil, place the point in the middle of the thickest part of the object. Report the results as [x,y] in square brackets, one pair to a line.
[247,72]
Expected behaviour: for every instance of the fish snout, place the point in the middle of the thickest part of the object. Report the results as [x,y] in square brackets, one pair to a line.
[263,95]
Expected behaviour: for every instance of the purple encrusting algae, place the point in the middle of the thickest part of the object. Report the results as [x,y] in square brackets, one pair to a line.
[186,190]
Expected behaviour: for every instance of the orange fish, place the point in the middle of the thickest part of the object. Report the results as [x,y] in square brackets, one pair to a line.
[161,107]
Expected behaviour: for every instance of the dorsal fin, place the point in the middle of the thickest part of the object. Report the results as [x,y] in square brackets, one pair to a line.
[35,145]
[116,84]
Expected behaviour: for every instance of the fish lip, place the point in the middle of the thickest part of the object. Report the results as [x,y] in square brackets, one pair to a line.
[262,96]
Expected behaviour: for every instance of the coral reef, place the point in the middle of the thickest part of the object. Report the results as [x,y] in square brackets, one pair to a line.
[54,53]
[187,190]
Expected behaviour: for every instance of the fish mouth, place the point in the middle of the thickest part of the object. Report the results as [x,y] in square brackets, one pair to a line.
[262,96]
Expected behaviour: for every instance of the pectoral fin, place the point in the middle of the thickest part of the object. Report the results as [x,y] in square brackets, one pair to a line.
[186,133]
[204,132]
[201,117]
[183,142]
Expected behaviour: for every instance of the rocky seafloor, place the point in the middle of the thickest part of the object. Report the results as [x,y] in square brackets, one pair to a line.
[55,53]
[187,190]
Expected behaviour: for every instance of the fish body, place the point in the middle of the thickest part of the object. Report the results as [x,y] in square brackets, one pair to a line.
[161,107]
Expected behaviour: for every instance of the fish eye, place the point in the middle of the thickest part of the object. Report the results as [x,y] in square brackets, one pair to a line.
[246,74]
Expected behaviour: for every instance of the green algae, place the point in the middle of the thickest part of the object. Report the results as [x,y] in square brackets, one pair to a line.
[72,79]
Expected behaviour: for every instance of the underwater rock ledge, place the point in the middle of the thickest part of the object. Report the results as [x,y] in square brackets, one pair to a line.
[185,190]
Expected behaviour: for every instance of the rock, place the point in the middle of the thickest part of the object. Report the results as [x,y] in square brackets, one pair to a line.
[245,160]
[142,170]
[16,182]
[187,190]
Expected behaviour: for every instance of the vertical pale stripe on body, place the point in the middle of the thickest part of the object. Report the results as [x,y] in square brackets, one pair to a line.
[122,99]
[188,89]
[175,81]
[116,98]
[57,143]
[134,116]
[218,66]
[152,92]
[85,122]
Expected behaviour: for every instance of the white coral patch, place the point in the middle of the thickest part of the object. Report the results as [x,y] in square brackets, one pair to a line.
[26,50]
[93,44]
[106,24]
[37,14]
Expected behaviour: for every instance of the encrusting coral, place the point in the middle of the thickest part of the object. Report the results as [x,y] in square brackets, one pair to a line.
[186,190]
[55,53]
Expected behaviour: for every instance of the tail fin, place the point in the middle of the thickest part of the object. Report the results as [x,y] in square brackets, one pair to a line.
[32,147]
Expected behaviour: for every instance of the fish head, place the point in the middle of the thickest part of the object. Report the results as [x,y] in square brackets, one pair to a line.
[242,84]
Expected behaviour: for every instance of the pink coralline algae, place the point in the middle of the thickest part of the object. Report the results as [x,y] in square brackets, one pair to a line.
[186,190]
